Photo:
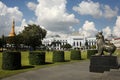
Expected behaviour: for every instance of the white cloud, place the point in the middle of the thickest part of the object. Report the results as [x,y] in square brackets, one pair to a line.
[116,29]
[24,23]
[20,28]
[54,17]
[50,33]
[88,29]
[109,13]
[31,5]
[88,8]
[71,29]
[6,16]
[107,32]
[95,9]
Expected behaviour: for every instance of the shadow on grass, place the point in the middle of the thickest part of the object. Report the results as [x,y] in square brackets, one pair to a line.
[27,67]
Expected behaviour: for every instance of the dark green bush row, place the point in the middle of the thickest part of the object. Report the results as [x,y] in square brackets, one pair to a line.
[36,58]
[91,52]
[75,55]
[11,60]
[58,56]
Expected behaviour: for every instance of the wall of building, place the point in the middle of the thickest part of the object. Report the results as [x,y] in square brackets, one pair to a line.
[116,42]
[76,41]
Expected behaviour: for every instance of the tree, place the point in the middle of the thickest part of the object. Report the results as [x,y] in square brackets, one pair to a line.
[13,42]
[2,42]
[66,46]
[93,47]
[32,35]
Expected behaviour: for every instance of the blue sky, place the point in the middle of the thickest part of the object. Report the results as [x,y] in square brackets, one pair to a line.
[63,16]
[21,4]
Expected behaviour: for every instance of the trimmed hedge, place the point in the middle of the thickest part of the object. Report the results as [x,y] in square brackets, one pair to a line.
[75,54]
[58,56]
[11,60]
[91,52]
[36,58]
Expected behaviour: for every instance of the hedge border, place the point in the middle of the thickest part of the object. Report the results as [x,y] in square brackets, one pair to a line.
[58,56]
[11,60]
[75,55]
[36,58]
[91,52]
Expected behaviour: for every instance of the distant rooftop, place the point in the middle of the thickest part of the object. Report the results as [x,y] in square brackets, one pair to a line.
[77,33]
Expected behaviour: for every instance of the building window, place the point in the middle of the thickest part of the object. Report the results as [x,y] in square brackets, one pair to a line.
[77,43]
[80,43]
[73,43]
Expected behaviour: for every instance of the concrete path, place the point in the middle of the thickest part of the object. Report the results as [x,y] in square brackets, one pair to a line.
[73,71]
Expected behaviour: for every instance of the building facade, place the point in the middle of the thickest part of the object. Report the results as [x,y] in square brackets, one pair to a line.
[76,41]
[116,42]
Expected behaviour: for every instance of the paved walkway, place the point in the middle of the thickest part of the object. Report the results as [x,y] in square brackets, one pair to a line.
[73,71]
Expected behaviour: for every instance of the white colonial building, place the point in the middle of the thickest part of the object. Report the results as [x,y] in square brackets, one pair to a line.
[116,42]
[75,40]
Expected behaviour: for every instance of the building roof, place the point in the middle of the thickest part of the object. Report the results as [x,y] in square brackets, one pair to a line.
[76,34]
[116,38]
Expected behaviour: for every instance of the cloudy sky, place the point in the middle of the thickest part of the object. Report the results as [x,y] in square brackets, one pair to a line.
[62,16]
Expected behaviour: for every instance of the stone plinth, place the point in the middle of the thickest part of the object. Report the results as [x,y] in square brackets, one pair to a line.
[103,63]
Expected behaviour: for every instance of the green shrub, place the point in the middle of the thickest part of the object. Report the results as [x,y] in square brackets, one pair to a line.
[91,52]
[75,54]
[36,58]
[58,56]
[11,60]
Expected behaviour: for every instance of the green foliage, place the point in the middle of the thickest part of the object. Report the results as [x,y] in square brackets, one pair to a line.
[54,43]
[11,60]
[49,55]
[66,46]
[91,52]
[1,44]
[93,47]
[75,54]
[58,56]
[36,58]
[15,40]
[10,40]
[32,35]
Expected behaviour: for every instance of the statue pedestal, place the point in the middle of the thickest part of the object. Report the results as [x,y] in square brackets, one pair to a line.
[103,63]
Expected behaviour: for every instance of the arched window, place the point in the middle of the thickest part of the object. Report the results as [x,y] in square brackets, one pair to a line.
[73,43]
[77,43]
[80,43]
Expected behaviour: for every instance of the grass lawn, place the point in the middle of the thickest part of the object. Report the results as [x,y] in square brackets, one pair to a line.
[27,67]
[117,52]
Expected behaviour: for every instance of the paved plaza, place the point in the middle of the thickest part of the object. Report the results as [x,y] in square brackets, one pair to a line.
[72,71]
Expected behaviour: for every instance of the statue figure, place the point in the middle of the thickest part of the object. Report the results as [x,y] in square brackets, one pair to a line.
[103,46]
